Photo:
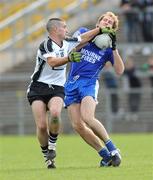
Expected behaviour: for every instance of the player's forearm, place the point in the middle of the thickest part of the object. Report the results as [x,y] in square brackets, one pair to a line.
[80,46]
[55,62]
[118,63]
[89,35]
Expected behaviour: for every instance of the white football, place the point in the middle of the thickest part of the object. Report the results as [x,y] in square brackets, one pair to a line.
[103,41]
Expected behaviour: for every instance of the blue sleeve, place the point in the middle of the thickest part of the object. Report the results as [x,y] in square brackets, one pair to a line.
[80,31]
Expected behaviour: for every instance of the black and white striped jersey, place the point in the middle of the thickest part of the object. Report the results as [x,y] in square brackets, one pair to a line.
[48,48]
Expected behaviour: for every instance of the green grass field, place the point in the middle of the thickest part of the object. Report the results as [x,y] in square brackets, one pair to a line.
[20,159]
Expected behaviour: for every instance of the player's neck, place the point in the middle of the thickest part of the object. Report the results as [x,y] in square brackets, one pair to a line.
[56,39]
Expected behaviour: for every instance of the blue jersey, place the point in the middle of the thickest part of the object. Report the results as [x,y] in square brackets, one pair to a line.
[92,61]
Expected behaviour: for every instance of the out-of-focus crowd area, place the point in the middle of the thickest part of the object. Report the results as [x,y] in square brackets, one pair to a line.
[125,103]
[138,24]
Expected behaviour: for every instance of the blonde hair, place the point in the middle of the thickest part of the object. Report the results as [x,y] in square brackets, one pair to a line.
[116,21]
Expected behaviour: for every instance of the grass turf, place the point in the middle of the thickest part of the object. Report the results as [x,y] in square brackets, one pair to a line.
[21,159]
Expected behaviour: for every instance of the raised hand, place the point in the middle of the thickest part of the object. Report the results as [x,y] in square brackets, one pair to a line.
[112,35]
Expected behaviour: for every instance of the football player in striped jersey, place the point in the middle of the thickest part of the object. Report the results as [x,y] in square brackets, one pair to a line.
[46,90]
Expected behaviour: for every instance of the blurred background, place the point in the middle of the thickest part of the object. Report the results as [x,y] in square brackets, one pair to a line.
[125,103]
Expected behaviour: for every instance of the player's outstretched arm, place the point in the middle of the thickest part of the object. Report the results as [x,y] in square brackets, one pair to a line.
[87,36]
[72,57]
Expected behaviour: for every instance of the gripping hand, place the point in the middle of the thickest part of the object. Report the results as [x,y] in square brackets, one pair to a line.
[112,35]
[107,31]
[74,57]
[113,38]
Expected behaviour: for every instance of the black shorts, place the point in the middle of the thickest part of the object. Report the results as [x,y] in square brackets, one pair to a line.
[44,92]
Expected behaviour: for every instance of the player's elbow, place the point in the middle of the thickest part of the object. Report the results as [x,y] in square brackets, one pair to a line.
[119,71]
[51,63]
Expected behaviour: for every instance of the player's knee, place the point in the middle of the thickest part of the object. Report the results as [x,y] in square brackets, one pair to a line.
[55,113]
[42,128]
[79,127]
[87,119]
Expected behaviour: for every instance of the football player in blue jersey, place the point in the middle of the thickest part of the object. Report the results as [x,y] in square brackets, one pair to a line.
[46,90]
[81,91]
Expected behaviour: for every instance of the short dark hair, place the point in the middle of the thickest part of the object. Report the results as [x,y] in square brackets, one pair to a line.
[53,22]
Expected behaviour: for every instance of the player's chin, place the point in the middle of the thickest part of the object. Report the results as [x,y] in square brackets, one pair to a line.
[103,26]
[108,27]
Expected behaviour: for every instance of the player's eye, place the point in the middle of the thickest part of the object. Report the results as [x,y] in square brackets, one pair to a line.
[110,22]
[104,20]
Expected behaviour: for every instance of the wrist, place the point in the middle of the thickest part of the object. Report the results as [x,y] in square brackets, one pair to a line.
[69,58]
[114,48]
[113,45]
[100,30]
[115,52]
